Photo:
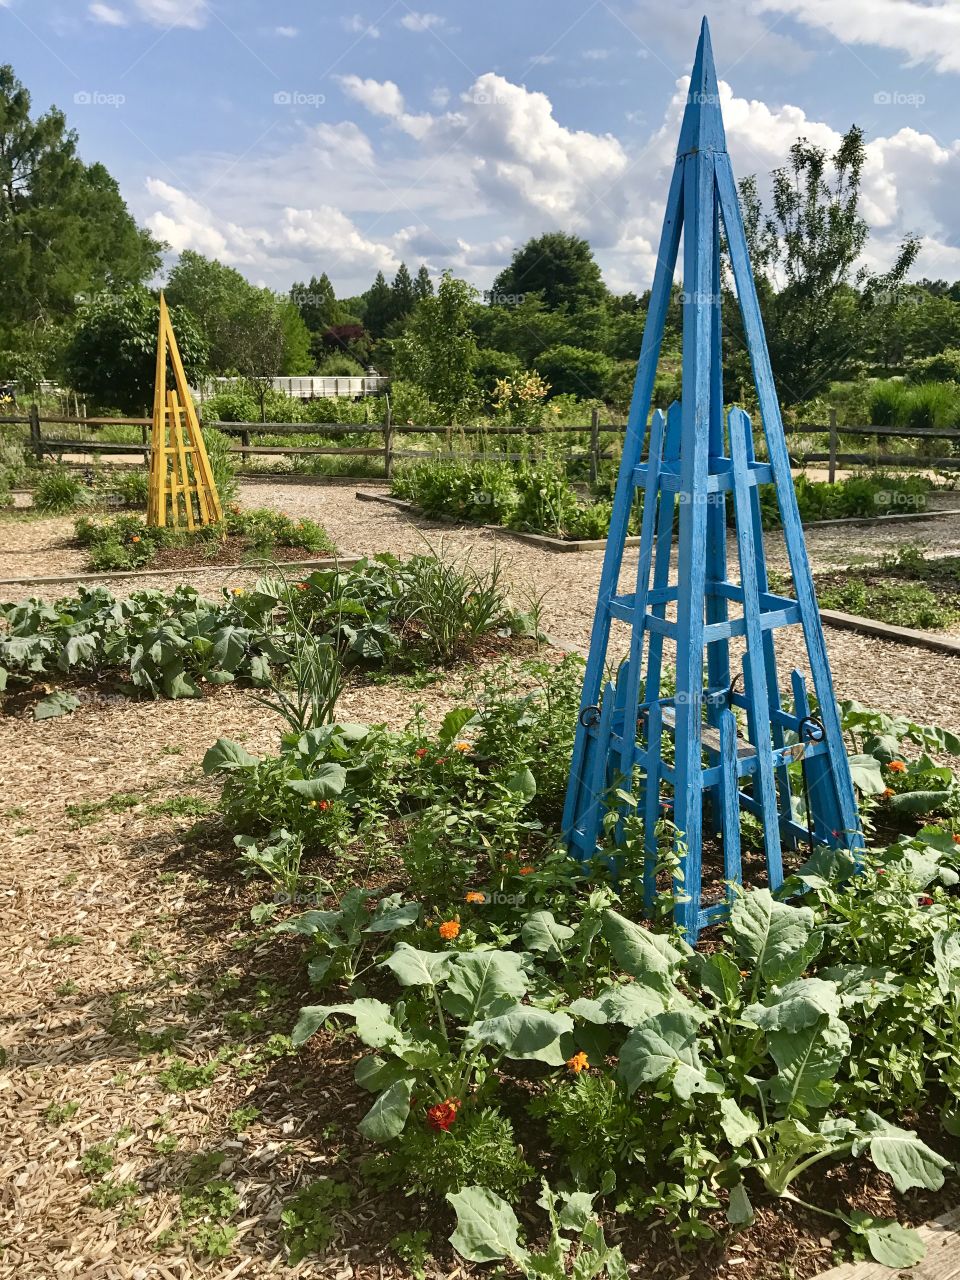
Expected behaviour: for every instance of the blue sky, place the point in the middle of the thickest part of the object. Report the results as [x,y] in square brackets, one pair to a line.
[296,136]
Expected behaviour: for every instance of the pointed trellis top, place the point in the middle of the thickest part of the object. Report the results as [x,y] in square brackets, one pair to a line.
[702,127]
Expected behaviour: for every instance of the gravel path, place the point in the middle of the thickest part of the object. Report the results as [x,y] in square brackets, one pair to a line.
[892,677]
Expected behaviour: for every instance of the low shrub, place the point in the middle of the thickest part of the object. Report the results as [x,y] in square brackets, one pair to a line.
[58,491]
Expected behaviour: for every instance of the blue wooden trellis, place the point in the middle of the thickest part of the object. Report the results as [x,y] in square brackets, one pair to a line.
[698,469]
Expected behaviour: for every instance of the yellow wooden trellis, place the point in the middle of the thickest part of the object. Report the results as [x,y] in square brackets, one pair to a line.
[182,489]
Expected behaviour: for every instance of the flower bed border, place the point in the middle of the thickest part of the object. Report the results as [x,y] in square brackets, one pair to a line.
[329,562]
[598,544]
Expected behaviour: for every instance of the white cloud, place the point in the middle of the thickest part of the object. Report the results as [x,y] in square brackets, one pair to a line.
[925,32]
[542,59]
[596,55]
[288,33]
[173,13]
[383,98]
[422,21]
[185,223]
[440,96]
[109,16]
[325,230]
[360,27]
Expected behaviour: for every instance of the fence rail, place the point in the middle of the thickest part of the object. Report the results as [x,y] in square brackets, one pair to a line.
[596,451]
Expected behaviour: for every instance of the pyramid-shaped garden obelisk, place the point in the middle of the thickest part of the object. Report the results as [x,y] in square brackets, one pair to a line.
[725,741]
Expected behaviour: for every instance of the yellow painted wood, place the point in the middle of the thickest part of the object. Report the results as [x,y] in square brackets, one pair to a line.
[179,465]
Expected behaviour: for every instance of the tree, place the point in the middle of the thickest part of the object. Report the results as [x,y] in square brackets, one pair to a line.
[423,285]
[403,296]
[378,307]
[439,352]
[559,268]
[575,372]
[65,231]
[804,253]
[317,303]
[248,331]
[112,353]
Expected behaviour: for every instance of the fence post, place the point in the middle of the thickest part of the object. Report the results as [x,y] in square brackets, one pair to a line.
[594,445]
[245,442]
[832,466]
[35,440]
[388,440]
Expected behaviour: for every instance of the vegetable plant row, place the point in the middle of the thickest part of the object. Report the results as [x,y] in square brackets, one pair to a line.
[533,1051]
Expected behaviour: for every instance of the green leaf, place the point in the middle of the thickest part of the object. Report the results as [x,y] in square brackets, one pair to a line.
[867,775]
[915,802]
[738,1126]
[413,968]
[398,917]
[375,1025]
[641,952]
[739,1210]
[388,1115]
[808,1058]
[226,754]
[374,1073]
[796,1005]
[177,684]
[946,962]
[522,783]
[629,1003]
[665,1047]
[576,1209]
[78,650]
[899,1152]
[717,974]
[453,722]
[770,936]
[484,983]
[541,932]
[487,1228]
[54,705]
[524,1032]
[325,782]
[889,1243]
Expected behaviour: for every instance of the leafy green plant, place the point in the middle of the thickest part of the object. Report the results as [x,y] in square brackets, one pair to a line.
[309,1220]
[58,490]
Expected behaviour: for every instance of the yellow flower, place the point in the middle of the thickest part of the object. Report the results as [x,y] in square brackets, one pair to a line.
[239,591]
[461,746]
[579,1062]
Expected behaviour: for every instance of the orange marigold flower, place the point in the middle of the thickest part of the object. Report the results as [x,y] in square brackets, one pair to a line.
[135,538]
[956,839]
[461,746]
[526,871]
[323,805]
[579,1062]
[449,930]
[475,896]
[897,766]
[888,792]
[442,1116]
[303,586]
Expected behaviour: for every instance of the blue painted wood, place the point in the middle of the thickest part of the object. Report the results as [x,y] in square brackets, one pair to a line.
[700,466]
[641,592]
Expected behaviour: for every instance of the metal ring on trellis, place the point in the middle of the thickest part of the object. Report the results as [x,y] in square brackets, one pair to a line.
[590,716]
[812,729]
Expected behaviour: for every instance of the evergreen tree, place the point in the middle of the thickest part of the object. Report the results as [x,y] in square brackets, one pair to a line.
[378,307]
[423,285]
[404,298]
[559,268]
[317,302]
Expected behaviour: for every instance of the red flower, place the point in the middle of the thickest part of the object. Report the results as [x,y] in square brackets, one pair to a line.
[442,1116]
[323,805]
[926,902]
[421,753]
[441,759]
